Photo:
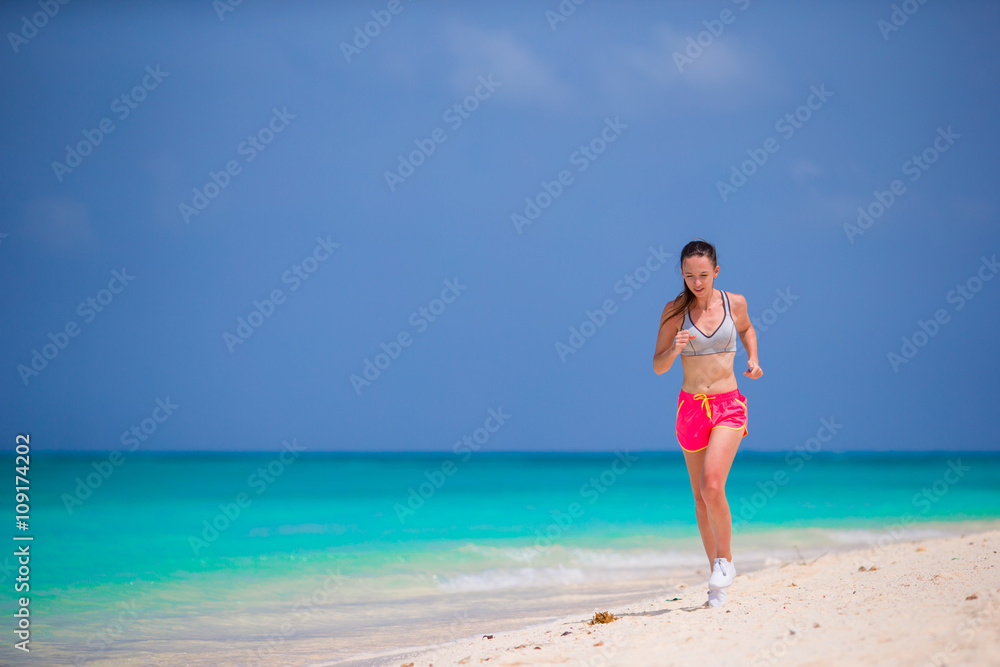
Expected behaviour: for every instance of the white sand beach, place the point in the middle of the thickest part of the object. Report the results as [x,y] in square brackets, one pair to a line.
[927,602]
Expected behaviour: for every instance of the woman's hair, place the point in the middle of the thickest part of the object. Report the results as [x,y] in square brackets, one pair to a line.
[696,248]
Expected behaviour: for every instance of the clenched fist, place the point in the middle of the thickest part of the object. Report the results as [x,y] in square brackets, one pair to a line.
[682,338]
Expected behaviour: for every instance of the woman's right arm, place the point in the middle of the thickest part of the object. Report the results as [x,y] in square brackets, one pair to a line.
[669,341]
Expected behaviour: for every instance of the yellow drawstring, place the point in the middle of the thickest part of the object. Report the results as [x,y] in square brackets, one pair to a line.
[705,402]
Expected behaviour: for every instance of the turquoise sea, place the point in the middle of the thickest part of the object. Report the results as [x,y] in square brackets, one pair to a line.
[310,558]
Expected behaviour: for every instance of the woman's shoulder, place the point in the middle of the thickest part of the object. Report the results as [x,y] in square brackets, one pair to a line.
[674,310]
[677,302]
[737,300]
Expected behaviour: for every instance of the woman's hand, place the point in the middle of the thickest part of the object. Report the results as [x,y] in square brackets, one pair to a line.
[754,371]
[681,339]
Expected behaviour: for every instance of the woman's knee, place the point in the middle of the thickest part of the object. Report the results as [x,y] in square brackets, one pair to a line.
[713,488]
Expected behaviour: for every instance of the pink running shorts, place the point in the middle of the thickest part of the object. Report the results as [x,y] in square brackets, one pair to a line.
[698,414]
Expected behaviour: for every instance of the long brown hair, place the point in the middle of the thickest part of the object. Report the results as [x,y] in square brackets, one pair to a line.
[684,300]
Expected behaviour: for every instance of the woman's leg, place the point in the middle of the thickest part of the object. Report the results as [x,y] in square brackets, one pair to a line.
[718,459]
[695,462]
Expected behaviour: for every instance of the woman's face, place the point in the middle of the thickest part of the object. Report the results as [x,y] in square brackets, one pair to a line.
[699,274]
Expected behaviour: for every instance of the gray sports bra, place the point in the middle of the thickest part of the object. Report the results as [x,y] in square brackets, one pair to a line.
[723,339]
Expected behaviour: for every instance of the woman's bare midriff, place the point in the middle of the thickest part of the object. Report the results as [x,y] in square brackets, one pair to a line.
[709,373]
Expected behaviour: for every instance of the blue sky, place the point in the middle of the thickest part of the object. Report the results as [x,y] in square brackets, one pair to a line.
[281,138]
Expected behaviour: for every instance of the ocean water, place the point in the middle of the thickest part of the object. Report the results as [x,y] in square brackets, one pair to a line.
[259,559]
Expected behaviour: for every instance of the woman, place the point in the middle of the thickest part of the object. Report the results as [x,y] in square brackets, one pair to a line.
[711,411]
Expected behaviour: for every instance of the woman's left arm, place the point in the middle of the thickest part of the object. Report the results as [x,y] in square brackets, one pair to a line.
[747,334]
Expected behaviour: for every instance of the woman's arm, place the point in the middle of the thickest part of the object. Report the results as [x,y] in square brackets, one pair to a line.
[747,334]
[670,340]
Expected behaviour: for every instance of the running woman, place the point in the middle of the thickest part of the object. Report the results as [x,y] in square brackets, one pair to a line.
[701,325]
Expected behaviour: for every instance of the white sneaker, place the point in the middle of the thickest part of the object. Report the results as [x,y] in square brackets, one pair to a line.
[722,574]
[716,597]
